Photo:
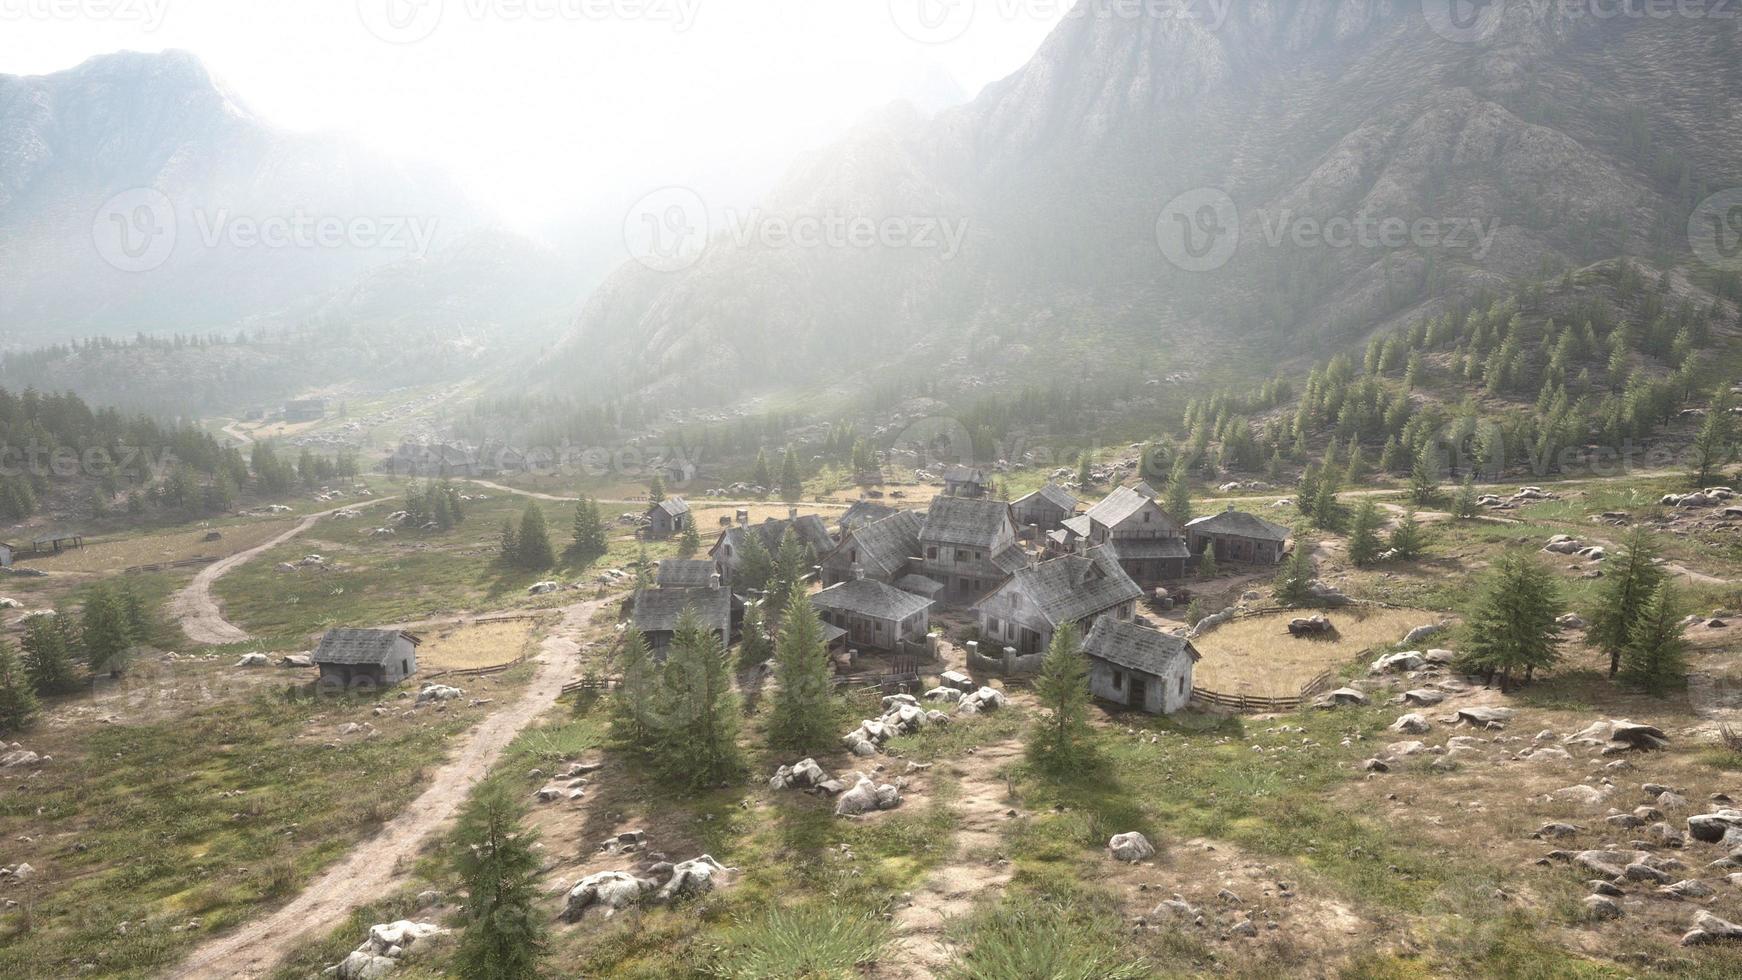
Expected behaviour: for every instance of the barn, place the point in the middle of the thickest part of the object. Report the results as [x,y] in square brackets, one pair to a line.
[357,657]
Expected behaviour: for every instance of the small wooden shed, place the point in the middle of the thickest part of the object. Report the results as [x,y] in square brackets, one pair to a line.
[359,657]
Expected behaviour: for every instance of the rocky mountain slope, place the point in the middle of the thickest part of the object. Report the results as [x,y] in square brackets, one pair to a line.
[1542,142]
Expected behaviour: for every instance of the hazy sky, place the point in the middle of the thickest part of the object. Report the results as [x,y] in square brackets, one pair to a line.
[541,106]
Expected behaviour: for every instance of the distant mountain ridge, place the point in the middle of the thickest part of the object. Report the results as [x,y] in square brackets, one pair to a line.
[1565,140]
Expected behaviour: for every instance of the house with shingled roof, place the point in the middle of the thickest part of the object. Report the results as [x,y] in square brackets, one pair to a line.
[668,517]
[728,550]
[656,612]
[1024,612]
[970,546]
[351,658]
[875,615]
[863,512]
[883,549]
[1139,667]
[1237,536]
[1047,508]
[1151,545]
[686,573]
[966,481]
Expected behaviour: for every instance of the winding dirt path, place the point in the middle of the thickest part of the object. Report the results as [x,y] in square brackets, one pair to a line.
[197,608]
[982,809]
[371,869]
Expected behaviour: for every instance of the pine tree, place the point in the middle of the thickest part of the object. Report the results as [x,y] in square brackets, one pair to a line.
[590,537]
[532,548]
[690,541]
[632,704]
[755,565]
[655,489]
[1464,505]
[1357,469]
[509,542]
[18,703]
[1511,625]
[791,482]
[1085,469]
[1207,564]
[759,474]
[1630,579]
[1294,584]
[803,719]
[1714,443]
[48,654]
[1424,476]
[1655,657]
[695,743]
[791,566]
[1364,544]
[1409,537]
[1179,494]
[104,632]
[1326,513]
[754,646]
[1060,742]
[498,861]
[1273,469]
[643,567]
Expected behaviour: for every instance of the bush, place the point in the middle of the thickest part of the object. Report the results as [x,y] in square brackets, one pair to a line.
[809,940]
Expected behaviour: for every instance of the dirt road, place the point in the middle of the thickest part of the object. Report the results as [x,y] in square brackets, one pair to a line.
[197,609]
[372,867]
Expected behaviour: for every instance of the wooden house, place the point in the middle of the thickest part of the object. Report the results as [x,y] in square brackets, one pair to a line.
[863,512]
[366,658]
[1076,589]
[686,573]
[966,481]
[1237,536]
[970,546]
[1139,667]
[1150,544]
[1047,508]
[883,550]
[728,550]
[874,615]
[6,551]
[668,517]
[656,612]
[305,410]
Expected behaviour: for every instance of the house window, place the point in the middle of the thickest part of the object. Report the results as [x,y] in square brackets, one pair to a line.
[853,555]
[931,553]
[1146,516]
[1182,684]
[405,667]
[992,626]
[1118,680]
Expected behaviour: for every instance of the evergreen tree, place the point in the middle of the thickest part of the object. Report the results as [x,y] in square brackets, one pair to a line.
[755,565]
[1207,563]
[48,654]
[18,703]
[1655,657]
[532,548]
[590,536]
[791,481]
[689,541]
[643,567]
[498,861]
[1409,537]
[655,489]
[1326,513]
[1364,544]
[754,646]
[791,567]
[1273,469]
[1424,476]
[759,474]
[1511,625]
[1464,505]
[1357,469]
[509,542]
[803,719]
[1060,742]
[632,705]
[104,632]
[1085,469]
[695,743]
[1179,494]
[1712,446]
[1294,584]
[1630,579]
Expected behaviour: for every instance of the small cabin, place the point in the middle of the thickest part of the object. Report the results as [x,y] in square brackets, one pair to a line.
[366,658]
[668,517]
[1139,667]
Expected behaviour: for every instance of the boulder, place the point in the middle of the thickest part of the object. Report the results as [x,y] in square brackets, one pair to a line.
[1562,544]
[1609,864]
[1707,827]
[1581,794]
[1691,888]
[1341,696]
[866,797]
[1482,717]
[543,588]
[691,878]
[984,699]
[945,695]
[1555,831]
[1411,724]
[387,944]
[1637,736]
[1130,848]
[1571,621]
[253,660]
[1405,748]
[296,660]
[1708,928]
[438,692]
[1398,663]
[609,890]
[1424,697]
[958,681]
[1421,634]
[17,758]
[1602,907]
[804,774]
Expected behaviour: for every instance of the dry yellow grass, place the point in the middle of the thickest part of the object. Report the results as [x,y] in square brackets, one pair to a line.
[115,554]
[1255,656]
[708,516]
[475,645]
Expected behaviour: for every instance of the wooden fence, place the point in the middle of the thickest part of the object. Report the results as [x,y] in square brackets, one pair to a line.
[479,671]
[160,566]
[600,684]
[1246,703]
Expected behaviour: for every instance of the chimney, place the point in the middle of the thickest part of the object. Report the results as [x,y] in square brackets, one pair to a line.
[714,580]
[792,512]
[858,572]
[1230,508]
[743,517]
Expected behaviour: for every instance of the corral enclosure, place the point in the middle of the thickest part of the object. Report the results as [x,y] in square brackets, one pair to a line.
[470,646]
[1255,655]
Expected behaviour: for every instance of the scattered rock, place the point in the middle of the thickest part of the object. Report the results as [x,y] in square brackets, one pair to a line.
[1130,848]
[253,660]
[438,692]
[612,891]
[1411,724]
[1708,928]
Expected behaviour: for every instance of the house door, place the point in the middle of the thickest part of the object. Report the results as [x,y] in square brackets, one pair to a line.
[1138,692]
[860,630]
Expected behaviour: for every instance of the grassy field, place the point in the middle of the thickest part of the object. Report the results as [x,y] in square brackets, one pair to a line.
[474,645]
[154,831]
[1255,655]
[115,552]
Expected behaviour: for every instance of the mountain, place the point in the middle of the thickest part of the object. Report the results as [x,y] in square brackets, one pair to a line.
[1542,142]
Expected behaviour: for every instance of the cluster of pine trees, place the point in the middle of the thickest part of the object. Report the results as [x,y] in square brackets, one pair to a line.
[61,651]
[526,545]
[437,505]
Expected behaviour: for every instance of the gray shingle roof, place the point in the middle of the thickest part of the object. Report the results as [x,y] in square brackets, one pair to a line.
[957,473]
[657,610]
[685,573]
[1136,647]
[675,506]
[1075,587]
[919,585]
[965,521]
[1149,549]
[812,533]
[354,646]
[885,545]
[869,597]
[1056,495]
[1010,558]
[1117,506]
[1143,487]
[1240,524]
[1079,525]
[865,512]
